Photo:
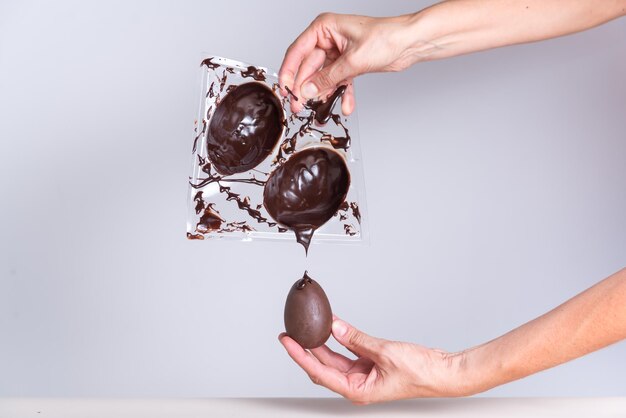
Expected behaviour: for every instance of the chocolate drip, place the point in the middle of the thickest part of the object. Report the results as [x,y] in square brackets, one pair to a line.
[323,109]
[306,191]
[256,73]
[305,280]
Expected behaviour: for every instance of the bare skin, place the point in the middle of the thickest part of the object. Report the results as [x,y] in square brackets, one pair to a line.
[336,48]
[389,370]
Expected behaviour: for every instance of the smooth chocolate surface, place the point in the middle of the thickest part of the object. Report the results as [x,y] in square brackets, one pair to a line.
[244,129]
[307,190]
[308,316]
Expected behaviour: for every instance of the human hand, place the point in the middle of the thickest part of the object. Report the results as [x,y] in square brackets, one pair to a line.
[336,48]
[383,370]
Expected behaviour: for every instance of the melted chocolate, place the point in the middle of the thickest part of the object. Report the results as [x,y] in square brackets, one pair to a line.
[194,236]
[256,73]
[199,202]
[195,140]
[355,211]
[210,64]
[209,221]
[307,190]
[324,109]
[349,229]
[337,142]
[245,128]
[291,93]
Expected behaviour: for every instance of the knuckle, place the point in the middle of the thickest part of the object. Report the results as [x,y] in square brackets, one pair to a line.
[291,48]
[323,17]
[356,338]
[324,80]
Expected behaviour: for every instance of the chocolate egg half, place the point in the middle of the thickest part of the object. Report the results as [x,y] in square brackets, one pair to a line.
[244,129]
[308,317]
[307,190]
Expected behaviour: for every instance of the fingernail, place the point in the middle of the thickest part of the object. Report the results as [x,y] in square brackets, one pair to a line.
[309,90]
[339,328]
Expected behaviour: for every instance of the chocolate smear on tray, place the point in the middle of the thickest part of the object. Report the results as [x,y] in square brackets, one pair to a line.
[254,72]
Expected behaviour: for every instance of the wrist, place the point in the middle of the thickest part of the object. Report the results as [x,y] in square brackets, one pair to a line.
[421,34]
[479,369]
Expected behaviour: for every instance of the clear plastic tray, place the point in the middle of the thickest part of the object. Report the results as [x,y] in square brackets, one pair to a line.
[231,206]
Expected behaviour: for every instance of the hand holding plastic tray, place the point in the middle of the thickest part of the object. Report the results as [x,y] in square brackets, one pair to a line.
[262,172]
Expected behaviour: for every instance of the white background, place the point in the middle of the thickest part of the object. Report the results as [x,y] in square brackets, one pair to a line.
[496,188]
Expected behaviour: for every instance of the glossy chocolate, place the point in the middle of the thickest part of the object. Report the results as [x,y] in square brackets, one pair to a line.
[308,316]
[324,109]
[307,190]
[244,129]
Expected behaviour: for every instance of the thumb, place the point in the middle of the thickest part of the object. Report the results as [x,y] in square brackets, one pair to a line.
[328,78]
[356,341]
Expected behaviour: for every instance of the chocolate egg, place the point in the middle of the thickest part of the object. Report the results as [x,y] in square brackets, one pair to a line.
[245,128]
[308,317]
[307,190]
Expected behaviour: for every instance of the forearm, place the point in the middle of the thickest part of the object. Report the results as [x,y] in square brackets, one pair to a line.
[458,27]
[591,320]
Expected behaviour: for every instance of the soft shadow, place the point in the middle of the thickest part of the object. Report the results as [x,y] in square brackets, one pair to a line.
[340,406]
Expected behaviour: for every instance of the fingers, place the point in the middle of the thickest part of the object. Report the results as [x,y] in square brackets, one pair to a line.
[319,373]
[356,341]
[296,53]
[332,359]
[329,77]
[347,101]
[311,63]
